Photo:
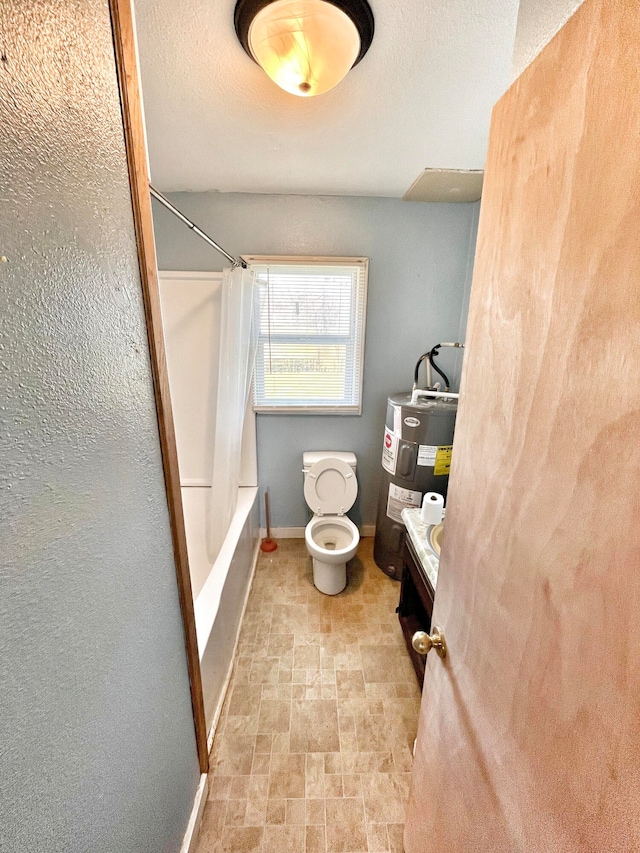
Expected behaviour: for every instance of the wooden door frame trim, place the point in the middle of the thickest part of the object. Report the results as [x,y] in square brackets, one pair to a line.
[123,28]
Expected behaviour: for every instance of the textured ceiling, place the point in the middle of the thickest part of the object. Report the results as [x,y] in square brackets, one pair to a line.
[421,97]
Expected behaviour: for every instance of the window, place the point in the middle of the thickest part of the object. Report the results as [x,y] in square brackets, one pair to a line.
[310,315]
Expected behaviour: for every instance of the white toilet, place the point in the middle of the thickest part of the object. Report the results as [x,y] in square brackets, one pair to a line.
[330,489]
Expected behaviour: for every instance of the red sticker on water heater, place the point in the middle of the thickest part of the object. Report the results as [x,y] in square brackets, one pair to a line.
[389,454]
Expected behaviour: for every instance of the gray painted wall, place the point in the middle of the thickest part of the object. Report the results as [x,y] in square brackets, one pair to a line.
[97,747]
[538,22]
[419,276]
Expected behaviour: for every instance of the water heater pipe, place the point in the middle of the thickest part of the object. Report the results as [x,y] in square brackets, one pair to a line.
[419,392]
[430,363]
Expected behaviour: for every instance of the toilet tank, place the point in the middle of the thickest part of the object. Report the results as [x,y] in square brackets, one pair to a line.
[312,456]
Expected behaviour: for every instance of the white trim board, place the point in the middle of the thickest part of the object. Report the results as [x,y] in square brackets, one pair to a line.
[298,532]
[190,839]
[190,275]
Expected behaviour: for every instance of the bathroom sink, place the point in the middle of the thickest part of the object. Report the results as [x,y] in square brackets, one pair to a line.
[435,539]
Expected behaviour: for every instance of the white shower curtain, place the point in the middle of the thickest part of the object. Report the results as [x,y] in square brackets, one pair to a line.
[237,353]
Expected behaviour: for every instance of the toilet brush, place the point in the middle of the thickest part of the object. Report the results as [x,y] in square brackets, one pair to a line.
[268,544]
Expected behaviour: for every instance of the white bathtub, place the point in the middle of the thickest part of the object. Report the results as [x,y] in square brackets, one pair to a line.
[191,322]
[220,590]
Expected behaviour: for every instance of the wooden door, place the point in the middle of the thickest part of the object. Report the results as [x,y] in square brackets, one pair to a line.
[529,734]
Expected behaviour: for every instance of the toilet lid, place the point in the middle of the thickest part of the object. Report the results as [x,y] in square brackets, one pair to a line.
[330,487]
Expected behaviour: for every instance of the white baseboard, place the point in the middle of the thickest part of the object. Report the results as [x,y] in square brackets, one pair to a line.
[283,532]
[227,681]
[298,532]
[190,839]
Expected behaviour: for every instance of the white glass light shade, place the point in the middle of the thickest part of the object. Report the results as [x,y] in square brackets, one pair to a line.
[305,46]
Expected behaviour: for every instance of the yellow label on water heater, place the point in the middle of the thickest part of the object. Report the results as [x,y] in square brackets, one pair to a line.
[443,460]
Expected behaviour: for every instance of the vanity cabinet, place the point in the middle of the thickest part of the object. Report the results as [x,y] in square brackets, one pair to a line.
[416,604]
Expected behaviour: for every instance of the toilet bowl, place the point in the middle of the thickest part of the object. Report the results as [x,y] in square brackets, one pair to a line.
[331,541]
[330,489]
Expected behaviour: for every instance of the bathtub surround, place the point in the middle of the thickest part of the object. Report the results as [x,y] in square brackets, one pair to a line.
[421,258]
[220,576]
[97,737]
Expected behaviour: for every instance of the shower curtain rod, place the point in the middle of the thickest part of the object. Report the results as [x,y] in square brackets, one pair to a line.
[237,262]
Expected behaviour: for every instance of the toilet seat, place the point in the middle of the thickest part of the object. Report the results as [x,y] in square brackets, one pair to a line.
[330,487]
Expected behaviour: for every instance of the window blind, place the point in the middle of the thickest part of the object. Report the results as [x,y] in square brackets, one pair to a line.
[310,316]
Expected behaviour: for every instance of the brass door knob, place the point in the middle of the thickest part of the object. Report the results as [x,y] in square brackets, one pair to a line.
[423,642]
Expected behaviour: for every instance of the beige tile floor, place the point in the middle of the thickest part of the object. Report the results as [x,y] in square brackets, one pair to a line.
[313,750]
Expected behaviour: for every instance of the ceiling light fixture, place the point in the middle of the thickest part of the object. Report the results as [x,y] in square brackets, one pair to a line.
[305,46]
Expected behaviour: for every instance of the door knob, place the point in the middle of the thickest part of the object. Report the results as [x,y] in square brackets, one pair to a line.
[423,642]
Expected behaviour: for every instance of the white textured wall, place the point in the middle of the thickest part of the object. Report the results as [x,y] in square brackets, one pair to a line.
[422,96]
[538,22]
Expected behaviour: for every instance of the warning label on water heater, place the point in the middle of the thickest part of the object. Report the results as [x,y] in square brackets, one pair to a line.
[443,460]
[436,457]
[389,451]
[427,454]
[398,499]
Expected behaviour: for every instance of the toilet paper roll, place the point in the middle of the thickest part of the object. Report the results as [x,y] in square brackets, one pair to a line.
[432,508]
